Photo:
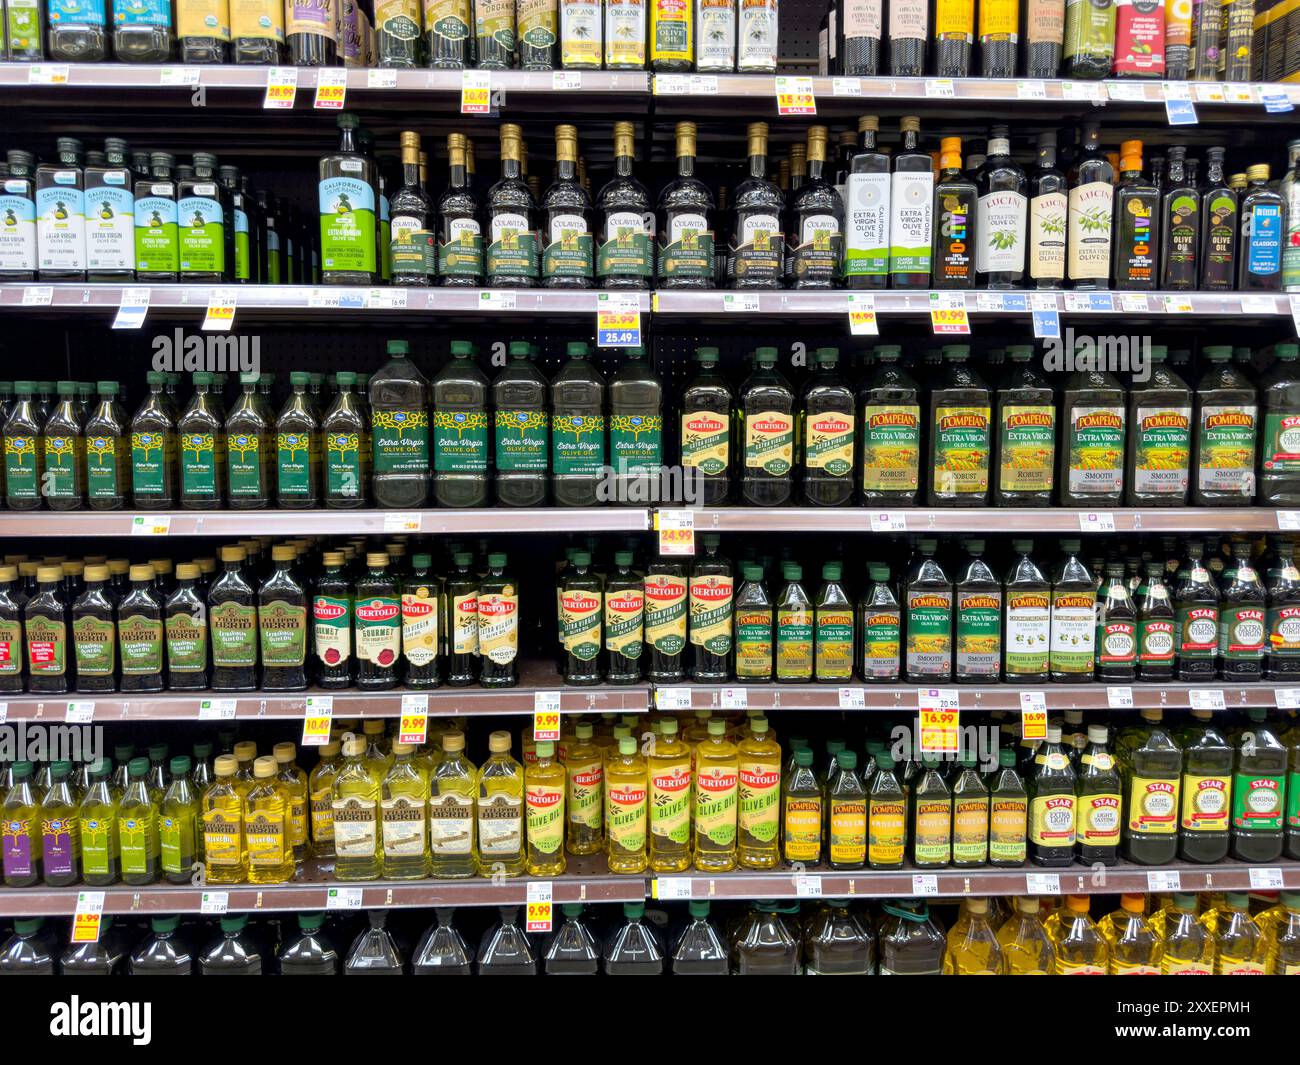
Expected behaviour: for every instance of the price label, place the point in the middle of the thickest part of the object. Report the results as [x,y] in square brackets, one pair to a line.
[676,531]
[940,87]
[794,96]
[1092,91]
[1042,883]
[1294,301]
[4,713]
[1259,305]
[221,311]
[566,80]
[1209,92]
[1178,305]
[343,898]
[386,299]
[925,884]
[1119,698]
[734,699]
[808,886]
[151,525]
[939,720]
[38,295]
[1266,879]
[862,316]
[1033,715]
[1125,90]
[948,314]
[47,74]
[988,302]
[1287,698]
[1239,93]
[671,887]
[1133,303]
[323,299]
[1179,109]
[1076,302]
[415,719]
[492,300]
[86,916]
[217,709]
[539,897]
[1288,519]
[1031,90]
[846,86]
[704,85]
[1206,698]
[546,723]
[618,321]
[381,78]
[214,902]
[185,76]
[672,85]
[402,522]
[852,698]
[1047,324]
[1164,880]
[132,308]
[316,724]
[281,88]
[1275,101]
[889,521]
[1096,522]
[331,88]
[673,698]
[476,92]
[740,303]
[80,713]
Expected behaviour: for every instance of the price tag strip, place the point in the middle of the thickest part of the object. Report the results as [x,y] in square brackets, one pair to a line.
[546,716]
[940,733]
[343,898]
[1033,716]
[151,525]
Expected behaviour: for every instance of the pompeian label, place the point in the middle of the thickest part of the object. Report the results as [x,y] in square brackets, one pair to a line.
[754,643]
[628,249]
[544,815]
[201,231]
[847,830]
[464,624]
[24,457]
[1156,640]
[818,249]
[665,613]
[347,225]
[794,643]
[1197,630]
[802,835]
[498,625]
[689,250]
[929,632]
[141,640]
[106,465]
[200,465]
[881,643]
[769,442]
[866,224]
[152,456]
[580,33]
[759,795]
[1099,820]
[970,829]
[187,643]
[11,647]
[1052,821]
[1163,450]
[577,444]
[715,804]
[1241,632]
[759,251]
[670,812]
[961,450]
[460,441]
[47,647]
[1027,448]
[828,443]
[283,629]
[891,448]
[979,633]
[1047,232]
[911,203]
[1090,214]
[580,623]
[1096,444]
[705,441]
[245,458]
[627,817]
[1281,452]
[1153,806]
[710,606]
[636,442]
[1227,449]
[1008,827]
[297,454]
[1206,803]
[234,634]
[379,629]
[419,625]
[625,34]
[833,642]
[570,248]
[94,642]
[886,831]
[1258,801]
[1117,642]
[400,441]
[64,456]
[332,629]
[933,841]
[1071,641]
[624,622]
[521,440]
[513,248]
[344,472]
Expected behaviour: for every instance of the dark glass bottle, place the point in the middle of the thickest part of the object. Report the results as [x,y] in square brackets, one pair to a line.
[1092,196]
[826,420]
[1100,801]
[866,209]
[766,412]
[580,613]
[1026,441]
[1196,623]
[460,238]
[203,34]
[1180,222]
[24,450]
[1093,420]
[202,433]
[513,253]
[62,483]
[522,421]
[758,245]
[378,625]
[1155,621]
[625,256]
[413,253]
[205,224]
[1152,771]
[577,429]
[567,256]
[282,625]
[1218,227]
[707,450]
[955,206]
[624,621]
[711,610]
[1242,615]
[910,230]
[1135,251]
[666,598]
[816,223]
[46,632]
[153,449]
[257,30]
[94,633]
[298,448]
[1052,804]
[232,622]
[686,231]
[12,658]
[140,634]
[185,622]
[1048,210]
[462,620]
[908,31]
[1116,639]
[311,32]
[1263,226]
[332,614]
[460,431]
[345,433]
[498,625]
[248,449]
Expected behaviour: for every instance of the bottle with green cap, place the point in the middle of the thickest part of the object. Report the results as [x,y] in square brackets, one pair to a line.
[634,949]
[348,184]
[153,449]
[137,827]
[60,829]
[107,466]
[572,949]
[421,622]
[63,480]
[624,621]
[977,619]
[399,418]
[1160,438]
[626,789]
[960,433]
[1258,791]
[345,434]
[794,627]
[1072,628]
[699,949]
[544,812]
[577,429]
[636,429]
[1008,814]
[832,627]
[202,432]
[754,626]
[235,952]
[97,816]
[21,814]
[460,431]
[1227,416]
[886,815]
[879,627]
[580,621]
[522,423]
[711,595]
[1026,439]
[928,622]
[766,416]
[801,811]
[298,448]
[1093,426]
[249,450]
[826,436]
[891,431]
[1279,456]
[498,625]
[24,450]
[930,817]
[707,447]
[178,824]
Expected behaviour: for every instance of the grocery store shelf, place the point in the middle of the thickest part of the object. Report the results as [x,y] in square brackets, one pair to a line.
[586,881]
[320,522]
[905,698]
[1030,880]
[534,677]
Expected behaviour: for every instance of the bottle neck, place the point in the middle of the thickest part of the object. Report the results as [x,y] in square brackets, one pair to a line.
[566,170]
[867,140]
[686,166]
[758,166]
[623,165]
[816,167]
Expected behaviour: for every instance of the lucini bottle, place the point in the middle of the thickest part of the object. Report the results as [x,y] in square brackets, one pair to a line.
[1000,225]
[1048,202]
[960,438]
[1052,804]
[955,234]
[1092,196]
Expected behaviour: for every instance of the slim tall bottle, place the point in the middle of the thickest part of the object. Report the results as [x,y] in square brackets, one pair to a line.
[1263,224]
[756,257]
[1091,201]
[955,209]
[911,199]
[909,29]
[867,210]
[1180,219]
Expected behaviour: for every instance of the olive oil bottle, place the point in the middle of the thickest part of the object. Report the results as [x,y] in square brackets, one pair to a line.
[1093,418]
[794,628]
[94,633]
[1153,771]
[827,422]
[153,449]
[711,594]
[1052,804]
[928,622]
[930,817]
[666,599]
[960,437]
[977,619]
[955,200]
[1137,254]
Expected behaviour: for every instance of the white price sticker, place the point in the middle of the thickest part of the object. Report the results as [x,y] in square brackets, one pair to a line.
[217,709]
[1288,520]
[1209,92]
[852,698]
[565,80]
[38,295]
[888,521]
[316,723]
[494,300]
[1133,303]
[704,85]
[1206,698]
[1031,90]
[221,311]
[948,314]
[214,903]
[151,524]
[1118,698]
[80,713]
[186,76]
[667,888]
[846,86]
[539,897]
[132,308]
[47,73]
[1042,883]
[414,726]
[1091,91]
[925,884]
[1164,880]
[281,88]
[1294,301]
[4,713]
[546,716]
[381,78]
[676,532]
[343,898]
[808,886]
[940,87]
[862,315]
[1239,92]
[1126,90]
[1259,304]
[402,522]
[386,299]
[1268,879]
[331,88]
[1287,698]
[1097,522]
[734,699]
[476,92]
[1178,304]
[672,85]
[741,303]
[87,916]
[673,698]
[1033,716]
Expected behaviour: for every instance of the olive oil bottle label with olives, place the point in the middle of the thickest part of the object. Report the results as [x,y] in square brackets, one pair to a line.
[1028,632]
[201,231]
[1163,449]
[347,222]
[624,622]
[187,644]
[498,625]
[1071,647]
[1226,449]
[1027,448]
[1096,446]
[234,634]
[141,639]
[581,623]
[665,612]
[1008,821]
[419,625]
[570,250]
[891,448]
[378,630]
[794,643]
[513,248]
[61,222]
[829,443]
[961,451]
[283,632]
[769,442]
[979,633]
[705,441]
[711,614]
[94,642]
[157,240]
[464,624]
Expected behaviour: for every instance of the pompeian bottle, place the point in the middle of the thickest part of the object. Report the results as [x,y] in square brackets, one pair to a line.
[891,432]
[1026,443]
[706,444]
[666,602]
[580,606]
[1242,616]
[282,625]
[567,252]
[1052,804]
[1279,460]
[754,627]
[956,202]
[185,625]
[1008,813]
[153,449]
[378,625]
[1137,255]
[818,213]
[928,623]
[1116,640]
[757,253]
[930,816]
[140,634]
[1258,791]
[1263,222]
[826,420]
[1091,470]
[1196,621]
[1180,226]
[794,628]
[460,238]
[519,401]
[345,435]
[512,254]
[711,608]
[1160,440]
[232,624]
[1100,801]
[911,199]
[462,622]
[298,448]
[686,231]
[1155,626]
[1000,227]
[767,414]
[1088,259]
[960,444]
[332,613]
[1206,786]
[1153,770]
[867,216]
[498,626]
[833,650]
[1071,643]
[879,629]
[460,431]
[577,429]
[1218,227]
[349,178]
[625,257]
[202,433]
[1226,424]
[624,620]
[977,619]
[94,634]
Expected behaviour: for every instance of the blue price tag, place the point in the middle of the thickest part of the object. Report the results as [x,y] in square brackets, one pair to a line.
[1180,112]
[1276,101]
[1015,301]
[355,301]
[1047,325]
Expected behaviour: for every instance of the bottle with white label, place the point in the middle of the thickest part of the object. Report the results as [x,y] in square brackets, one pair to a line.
[18,218]
[110,221]
[1048,210]
[1092,195]
[911,203]
[756,37]
[715,49]
[625,258]
[567,256]
[817,218]
[60,215]
[581,29]
[759,245]
[1000,221]
[866,211]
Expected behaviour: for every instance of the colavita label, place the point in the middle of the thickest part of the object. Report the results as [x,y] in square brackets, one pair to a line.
[1099,820]
[715,804]
[886,831]
[624,621]
[769,442]
[710,603]
[1026,448]
[670,811]
[1070,649]
[705,441]
[891,448]
[665,612]
[1163,450]
[1051,821]
[545,817]
[1028,631]
[961,450]
[847,834]
[929,632]
[234,634]
[580,623]
[979,633]
[1153,806]
[759,252]
[803,828]
[1008,824]
[1257,801]
[828,443]
[689,251]
[881,643]
[419,624]
[759,797]
[1206,803]
[1096,443]
[1227,449]
[498,625]
[586,792]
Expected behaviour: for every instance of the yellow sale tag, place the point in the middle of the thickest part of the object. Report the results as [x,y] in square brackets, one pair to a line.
[85,927]
[676,532]
[794,96]
[546,725]
[862,323]
[281,88]
[539,916]
[414,728]
[331,88]
[939,731]
[476,92]
[1033,724]
[949,321]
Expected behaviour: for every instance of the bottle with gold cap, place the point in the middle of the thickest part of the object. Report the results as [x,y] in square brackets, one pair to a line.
[46,623]
[1026,948]
[512,254]
[245,753]
[816,222]
[266,815]
[320,793]
[232,622]
[567,256]
[686,235]
[282,625]
[460,240]
[626,255]
[1081,949]
[972,946]
[544,788]
[911,200]
[451,811]
[11,630]
[1135,254]
[295,785]
[500,811]
[955,199]
[354,799]
[1263,227]
[758,245]
[627,788]
[185,630]
[140,634]
[1134,947]
[224,853]
[94,634]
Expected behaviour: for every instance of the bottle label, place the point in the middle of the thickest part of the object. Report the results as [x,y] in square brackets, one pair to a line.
[1156,640]
[152,458]
[347,222]
[17,226]
[689,251]
[460,255]
[245,465]
[99,844]
[911,200]
[1070,646]
[1047,230]
[1096,444]
[1293,800]
[624,622]
[759,252]
[322,817]
[886,831]
[1198,630]
[105,462]
[715,804]
[199,466]
[759,800]
[63,458]
[933,842]
[715,48]
[202,18]
[580,33]
[1257,801]
[670,30]
[710,607]
[1099,820]
[1008,827]
[580,623]
[794,644]
[998,22]
[756,35]
[819,250]
[929,632]
[1206,802]
[961,451]
[636,442]
[954,20]
[460,441]
[828,443]
[521,440]
[11,647]
[500,826]
[705,442]
[1240,968]
[23,464]
[802,837]
[141,639]
[297,457]
[1281,443]
[399,19]
[1027,447]
[577,444]
[403,826]
[47,647]
[413,251]
[1117,641]
[881,637]
[848,831]
[268,845]
[110,217]
[891,448]
[908,19]
[979,633]
[1227,449]
[312,17]
[400,439]
[665,613]
[955,262]
[451,824]
[1090,221]
[258,20]
[1153,806]
[627,250]
[1263,234]
[234,635]
[498,625]
[222,839]
[970,829]
[754,643]
[586,784]
[769,442]
[569,253]
[283,628]
[1051,821]
[187,643]
[1090,30]
[1173,967]
[419,625]
[61,223]
[1000,221]
[379,629]
[834,644]
[545,815]
[627,817]
[201,231]
[332,629]
[17,837]
[60,845]
[866,223]
[356,828]
[1163,450]
[138,839]
[344,472]
[670,812]
[1241,633]
[513,250]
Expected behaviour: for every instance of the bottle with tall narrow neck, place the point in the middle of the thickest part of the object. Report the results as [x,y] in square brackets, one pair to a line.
[956,202]
[1219,227]
[61,215]
[157,247]
[512,237]
[686,233]
[817,220]
[567,254]
[867,211]
[758,246]
[911,202]
[1048,209]
[413,252]
[1091,201]
[1000,224]
[625,257]
[1289,188]
[459,238]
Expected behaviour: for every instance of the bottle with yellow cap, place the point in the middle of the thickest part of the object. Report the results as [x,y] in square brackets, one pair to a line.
[955,199]
[185,630]
[404,815]
[46,622]
[451,811]
[11,631]
[626,254]
[972,946]
[1189,947]
[295,784]
[224,854]
[1134,948]
[282,624]
[1081,949]
[1026,948]
[378,624]
[266,815]
[140,633]
[500,811]
[94,634]
[627,787]
[320,792]
[245,753]
[759,797]
[1135,253]
[358,851]
[716,788]
[544,792]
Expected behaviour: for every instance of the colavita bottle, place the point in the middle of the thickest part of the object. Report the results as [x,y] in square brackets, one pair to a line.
[625,257]
[826,418]
[1091,470]
[1258,791]
[706,445]
[1206,787]
[460,237]
[911,200]
[955,206]
[686,233]
[399,401]
[1071,647]
[1153,771]
[711,609]
[960,444]
[1026,444]
[1262,231]
[818,212]
[756,258]
[1052,804]
[767,414]
[512,231]
[153,449]
[1217,256]
[928,622]
[1242,616]
[1100,802]
[567,253]
[666,598]
[1160,441]
[577,429]
[1136,251]
[866,206]
[1088,259]
[1279,460]
[977,619]
[232,620]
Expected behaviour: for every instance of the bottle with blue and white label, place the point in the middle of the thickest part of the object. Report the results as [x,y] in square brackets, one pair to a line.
[157,248]
[204,230]
[77,30]
[110,216]
[18,218]
[142,31]
[61,215]
[1263,225]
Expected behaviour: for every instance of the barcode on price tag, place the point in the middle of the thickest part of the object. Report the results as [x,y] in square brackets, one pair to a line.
[1096,522]
[1269,879]
[939,720]
[331,88]
[1206,698]
[216,709]
[1294,301]
[676,532]
[415,719]
[80,713]
[734,698]
[539,897]
[671,887]
[673,698]
[948,314]
[794,96]
[132,309]
[853,698]
[86,916]
[618,321]
[476,92]
[343,898]
[316,723]
[925,884]
[281,88]
[221,311]
[546,716]
[214,902]
[808,886]
[1164,880]
[1119,698]
[151,524]
[862,315]
[1043,883]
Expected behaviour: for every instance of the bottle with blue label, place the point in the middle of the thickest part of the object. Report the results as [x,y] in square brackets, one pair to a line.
[77,30]
[1263,223]
[203,31]
[24,25]
[348,236]
[204,231]
[110,216]
[142,31]
[157,251]
[60,215]
[245,239]
[18,218]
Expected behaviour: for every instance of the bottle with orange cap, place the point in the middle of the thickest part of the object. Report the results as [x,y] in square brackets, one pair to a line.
[1135,258]
[1081,950]
[954,215]
[1134,947]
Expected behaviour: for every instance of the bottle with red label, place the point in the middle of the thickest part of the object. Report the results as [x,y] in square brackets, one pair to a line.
[11,631]
[1116,628]
[1196,617]
[1139,38]
[1155,619]
[1203,827]
[1241,619]
[1282,651]
[1258,791]
[378,625]
[421,602]
[1099,801]
[1152,774]
[331,609]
